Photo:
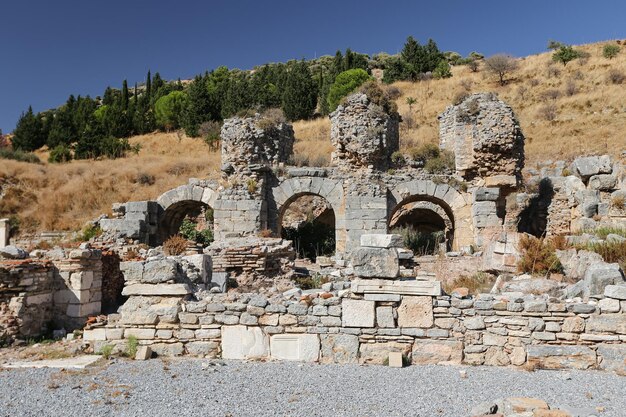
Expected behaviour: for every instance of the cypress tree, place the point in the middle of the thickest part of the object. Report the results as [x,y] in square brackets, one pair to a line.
[148,84]
[28,132]
[125,95]
[198,107]
[300,93]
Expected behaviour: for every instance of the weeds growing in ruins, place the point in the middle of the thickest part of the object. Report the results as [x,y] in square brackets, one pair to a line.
[175,245]
[611,251]
[189,230]
[106,351]
[475,284]
[131,346]
[420,243]
[88,233]
[538,256]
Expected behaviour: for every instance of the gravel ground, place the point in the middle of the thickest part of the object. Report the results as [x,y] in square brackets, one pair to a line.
[194,387]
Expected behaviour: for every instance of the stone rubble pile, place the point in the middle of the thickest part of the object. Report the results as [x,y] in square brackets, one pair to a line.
[530,407]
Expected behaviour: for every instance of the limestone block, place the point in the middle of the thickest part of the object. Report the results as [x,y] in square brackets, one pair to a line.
[588,166]
[357,313]
[157,289]
[381,241]
[339,348]
[382,297]
[603,182]
[95,334]
[501,181]
[295,347]
[132,270]
[167,349]
[201,348]
[598,276]
[561,357]
[437,352]
[141,334]
[396,360]
[241,342]
[384,317]
[381,286]
[378,353]
[160,271]
[612,358]
[607,323]
[375,262]
[617,292]
[609,305]
[143,353]
[487,194]
[415,311]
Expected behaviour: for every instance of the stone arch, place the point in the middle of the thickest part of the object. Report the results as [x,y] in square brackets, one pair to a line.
[177,203]
[291,189]
[445,201]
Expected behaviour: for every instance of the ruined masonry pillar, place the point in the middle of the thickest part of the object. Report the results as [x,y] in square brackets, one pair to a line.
[4,233]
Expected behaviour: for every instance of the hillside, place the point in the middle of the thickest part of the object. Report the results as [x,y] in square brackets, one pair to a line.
[589,110]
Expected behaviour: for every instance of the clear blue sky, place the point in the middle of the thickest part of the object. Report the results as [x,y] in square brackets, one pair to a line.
[50,49]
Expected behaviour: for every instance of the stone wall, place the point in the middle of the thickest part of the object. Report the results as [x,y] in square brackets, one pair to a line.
[486,138]
[352,323]
[363,134]
[38,296]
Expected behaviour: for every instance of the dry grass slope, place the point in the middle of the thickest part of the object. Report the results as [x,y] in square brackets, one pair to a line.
[65,196]
[587,109]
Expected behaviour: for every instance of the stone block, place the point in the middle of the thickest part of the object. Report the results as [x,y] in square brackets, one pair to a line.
[168,349]
[609,305]
[143,353]
[241,342]
[487,194]
[383,297]
[160,271]
[381,286]
[415,312]
[617,292]
[141,334]
[396,360]
[381,241]
[339,348]
[587,166]
[378,353]
[437,352]
[561,357]
[201,348]
[384,317]
[157,289]
[612,358]
[607,323]
[295,347]
[357,313]
[95,334]
[375,262]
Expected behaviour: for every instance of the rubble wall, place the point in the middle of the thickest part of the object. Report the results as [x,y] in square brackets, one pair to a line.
[38,296]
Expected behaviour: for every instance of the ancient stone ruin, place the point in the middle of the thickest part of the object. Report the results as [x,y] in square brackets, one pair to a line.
[240,297]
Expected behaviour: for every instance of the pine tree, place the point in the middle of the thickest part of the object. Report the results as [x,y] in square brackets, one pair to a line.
[27,135]
[300,92]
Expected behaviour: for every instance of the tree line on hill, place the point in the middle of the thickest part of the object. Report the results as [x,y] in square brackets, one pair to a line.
[86,127]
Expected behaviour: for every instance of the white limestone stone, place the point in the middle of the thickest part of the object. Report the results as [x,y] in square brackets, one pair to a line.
[295,347]
[241,342]
[381,241]
[357,313]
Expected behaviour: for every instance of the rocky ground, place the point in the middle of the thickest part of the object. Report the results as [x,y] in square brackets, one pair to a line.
[195,387]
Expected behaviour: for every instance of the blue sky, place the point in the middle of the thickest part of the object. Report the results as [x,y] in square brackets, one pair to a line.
[50,49]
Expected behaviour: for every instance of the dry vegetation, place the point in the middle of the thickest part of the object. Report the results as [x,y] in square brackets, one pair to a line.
[65,196]
[564,111]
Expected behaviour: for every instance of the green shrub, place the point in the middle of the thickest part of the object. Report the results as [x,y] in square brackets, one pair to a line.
[425,152]
[397,158]
[565,54]
[61,153]
[20,156]
[168,109]
[311,239]
[88,233]
[188,231]
[610,51]
[106,351]
[442,164]
[442,70]
[344,84]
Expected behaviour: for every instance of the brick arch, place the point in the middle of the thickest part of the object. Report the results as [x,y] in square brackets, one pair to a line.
[291,189]
[453,202]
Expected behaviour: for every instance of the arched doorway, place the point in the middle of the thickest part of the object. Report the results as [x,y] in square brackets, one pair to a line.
[308,220]
[187,211]
[426,224]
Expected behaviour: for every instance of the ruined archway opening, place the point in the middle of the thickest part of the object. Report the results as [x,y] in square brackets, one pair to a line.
[426,228]
[308,221]
[533,219]
[192,219]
